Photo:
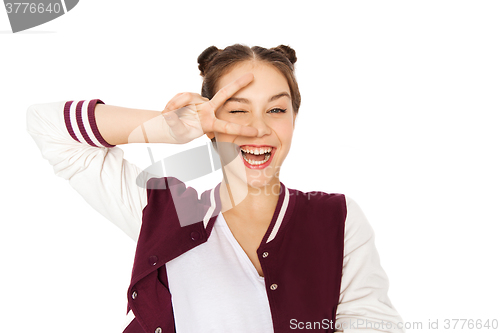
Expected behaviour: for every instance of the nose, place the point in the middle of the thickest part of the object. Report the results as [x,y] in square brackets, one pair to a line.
[262,127]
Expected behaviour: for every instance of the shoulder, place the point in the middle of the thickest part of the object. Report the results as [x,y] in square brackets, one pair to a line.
[167,188]
[318,198]
[319,205]
[171,197]
[356,223]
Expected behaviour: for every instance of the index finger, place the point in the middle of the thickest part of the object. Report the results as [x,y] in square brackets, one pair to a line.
[226,92]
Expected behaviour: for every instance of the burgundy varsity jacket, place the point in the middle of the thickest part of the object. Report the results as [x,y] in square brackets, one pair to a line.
[301,253]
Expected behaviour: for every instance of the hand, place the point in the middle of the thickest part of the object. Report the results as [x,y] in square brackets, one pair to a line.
[190,115]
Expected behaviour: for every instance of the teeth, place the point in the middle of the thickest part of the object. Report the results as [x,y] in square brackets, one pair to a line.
[252,162]
[257,151]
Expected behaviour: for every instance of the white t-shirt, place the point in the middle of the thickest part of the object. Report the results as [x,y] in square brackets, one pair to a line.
[213,279]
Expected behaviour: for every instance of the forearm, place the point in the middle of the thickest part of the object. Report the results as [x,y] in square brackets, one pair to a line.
[120,125]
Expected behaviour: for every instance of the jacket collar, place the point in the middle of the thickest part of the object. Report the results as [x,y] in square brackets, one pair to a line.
[285,205]
[163,237]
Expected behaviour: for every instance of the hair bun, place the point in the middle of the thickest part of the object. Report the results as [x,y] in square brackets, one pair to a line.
[206,57]
[287,51]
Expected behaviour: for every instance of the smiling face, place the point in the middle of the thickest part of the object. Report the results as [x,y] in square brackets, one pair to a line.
[266,105]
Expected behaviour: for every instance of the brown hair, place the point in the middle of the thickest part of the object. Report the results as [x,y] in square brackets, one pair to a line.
[214,63]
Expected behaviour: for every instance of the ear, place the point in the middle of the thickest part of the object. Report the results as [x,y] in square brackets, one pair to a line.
[294,117]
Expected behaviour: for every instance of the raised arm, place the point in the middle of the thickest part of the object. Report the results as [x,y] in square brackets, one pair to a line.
[78,139]
[186,117]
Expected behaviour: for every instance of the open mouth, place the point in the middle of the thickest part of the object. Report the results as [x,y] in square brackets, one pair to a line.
[256,156]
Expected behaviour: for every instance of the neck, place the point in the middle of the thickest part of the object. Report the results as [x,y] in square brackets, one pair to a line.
[241,199]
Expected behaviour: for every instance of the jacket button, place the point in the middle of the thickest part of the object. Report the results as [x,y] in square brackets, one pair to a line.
[153,260]
[134,295]
[195,235]
[274,286]
[158,330]
[265,254]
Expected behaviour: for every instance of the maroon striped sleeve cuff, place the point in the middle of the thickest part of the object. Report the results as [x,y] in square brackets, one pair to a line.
[79,117]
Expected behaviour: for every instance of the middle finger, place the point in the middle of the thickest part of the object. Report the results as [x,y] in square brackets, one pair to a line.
[226,92]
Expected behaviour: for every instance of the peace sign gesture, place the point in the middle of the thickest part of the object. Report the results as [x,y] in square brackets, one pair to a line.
[190,115]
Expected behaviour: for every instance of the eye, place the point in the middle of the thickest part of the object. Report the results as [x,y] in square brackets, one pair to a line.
[277,110]
[237,111]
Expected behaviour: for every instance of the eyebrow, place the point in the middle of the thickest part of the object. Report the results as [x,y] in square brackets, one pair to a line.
[246,101]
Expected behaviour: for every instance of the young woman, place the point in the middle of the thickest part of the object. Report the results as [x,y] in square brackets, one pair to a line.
[249,255]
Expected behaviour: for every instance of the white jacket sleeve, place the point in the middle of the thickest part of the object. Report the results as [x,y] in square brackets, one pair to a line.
[67,135]
[364,305]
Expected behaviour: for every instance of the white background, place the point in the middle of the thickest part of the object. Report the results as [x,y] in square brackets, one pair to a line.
[400,111]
